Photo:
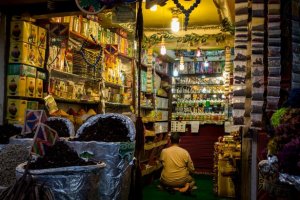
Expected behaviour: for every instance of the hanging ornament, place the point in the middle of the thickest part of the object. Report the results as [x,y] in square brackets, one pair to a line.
[90,7]
[186,12]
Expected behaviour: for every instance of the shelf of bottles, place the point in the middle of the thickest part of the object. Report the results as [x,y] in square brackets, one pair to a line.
[199,98]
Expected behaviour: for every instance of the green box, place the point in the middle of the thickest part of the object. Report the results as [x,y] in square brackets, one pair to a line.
[33,105]
[21,70]
[41,75]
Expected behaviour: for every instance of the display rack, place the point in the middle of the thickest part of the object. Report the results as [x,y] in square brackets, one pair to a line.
[155,115]
[198,96]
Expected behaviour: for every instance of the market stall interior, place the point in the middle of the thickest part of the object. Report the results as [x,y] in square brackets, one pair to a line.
[107,81]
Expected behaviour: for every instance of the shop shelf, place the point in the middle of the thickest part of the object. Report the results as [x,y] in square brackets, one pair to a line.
[26,98]
[82,37]
[116,104]
[162,96]
[199,84]
[61,74]
[75,101]
[199,74]
[112,84]
[166,109]
[147,107]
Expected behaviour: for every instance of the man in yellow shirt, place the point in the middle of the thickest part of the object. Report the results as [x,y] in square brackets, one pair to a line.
[177,166]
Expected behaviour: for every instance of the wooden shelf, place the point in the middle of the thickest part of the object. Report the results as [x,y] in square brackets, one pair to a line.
[204,122]
[74,101]
[57,73]
[162,96]
[112,84]
[166,109]
[162,121]
[199,74]
[82,37]
[147,107]
[113,104]
[25,98]
[199,84]
[154,145]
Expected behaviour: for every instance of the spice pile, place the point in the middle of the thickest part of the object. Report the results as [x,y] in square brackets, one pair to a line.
[59,126]
[106,129]
[59,155]
[10,157]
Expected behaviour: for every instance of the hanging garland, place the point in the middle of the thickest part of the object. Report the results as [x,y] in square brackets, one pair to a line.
[188,38]
[186,12]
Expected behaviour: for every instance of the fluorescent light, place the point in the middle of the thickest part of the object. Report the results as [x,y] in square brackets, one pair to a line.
[175,26]
[153,8]
[181,63]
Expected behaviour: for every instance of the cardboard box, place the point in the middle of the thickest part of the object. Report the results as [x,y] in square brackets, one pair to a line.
[22,31]
[32,105]
[42,37]
[21,52]
[21,70]
[16,85]
[30,87]
[39,88]
[16,110]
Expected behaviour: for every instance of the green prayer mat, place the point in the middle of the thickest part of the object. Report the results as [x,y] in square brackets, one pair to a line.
[204,191]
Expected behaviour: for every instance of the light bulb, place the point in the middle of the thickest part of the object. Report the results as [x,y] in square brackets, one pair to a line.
[175,72]
[175,26]
[153,8]
[198,54]
[163,50]
[181,63]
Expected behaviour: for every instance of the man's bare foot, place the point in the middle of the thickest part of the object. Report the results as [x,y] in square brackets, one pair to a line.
[185,188]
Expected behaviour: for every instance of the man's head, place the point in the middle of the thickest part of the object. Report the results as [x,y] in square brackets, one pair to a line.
[175,137]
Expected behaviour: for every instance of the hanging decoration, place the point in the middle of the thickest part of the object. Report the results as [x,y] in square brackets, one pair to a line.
[192,38]
[186,12]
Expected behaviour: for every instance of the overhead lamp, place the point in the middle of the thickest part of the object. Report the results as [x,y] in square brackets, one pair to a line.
[198,53]
[153,8]
[181,63]
[175,26]
[163,49]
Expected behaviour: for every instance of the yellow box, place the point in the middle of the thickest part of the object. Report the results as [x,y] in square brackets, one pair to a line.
[23,32]
[16,85]
[30,87]
[40,57]
[16,110]
[21,52]
[42,36]
[39,88]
